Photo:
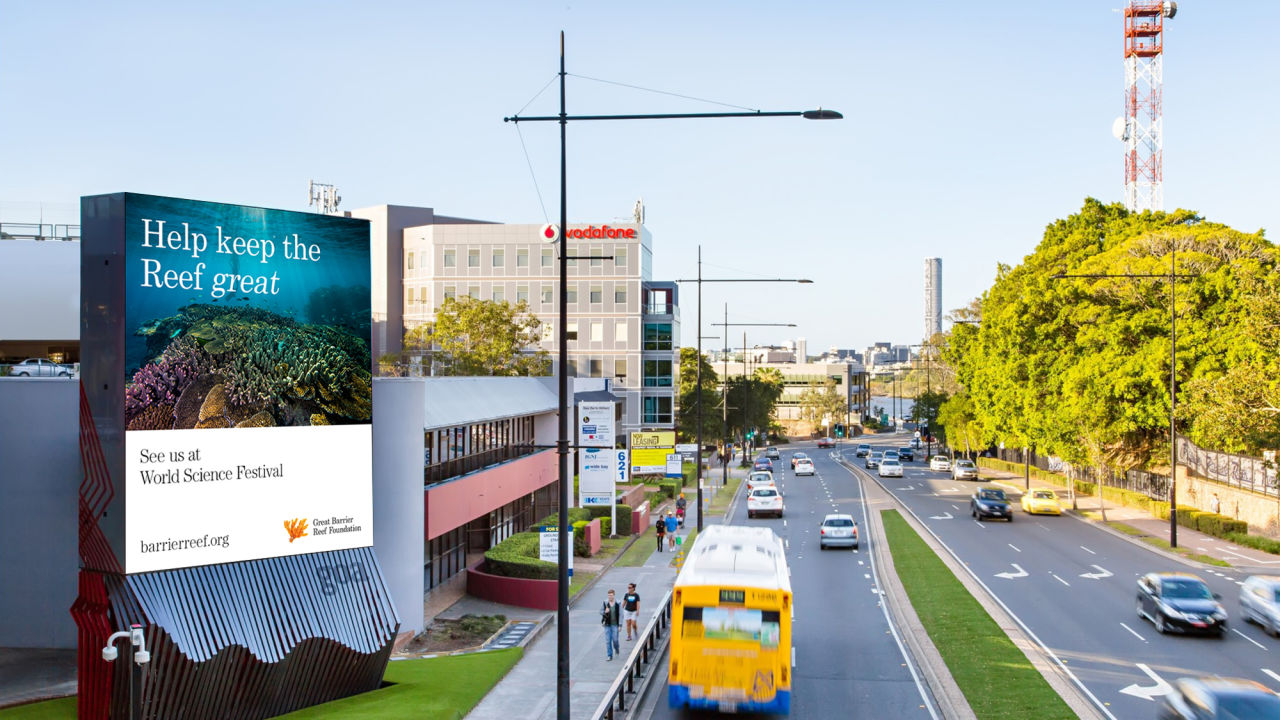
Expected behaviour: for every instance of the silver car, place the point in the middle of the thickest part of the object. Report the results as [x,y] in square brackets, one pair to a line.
[1260,601]
[964,470]
[890,467]
[40,367]
[838,530]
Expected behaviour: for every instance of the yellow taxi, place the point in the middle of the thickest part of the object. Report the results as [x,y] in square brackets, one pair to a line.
[1041,502]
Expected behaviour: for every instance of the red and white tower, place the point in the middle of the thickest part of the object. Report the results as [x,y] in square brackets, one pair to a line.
[1143,126]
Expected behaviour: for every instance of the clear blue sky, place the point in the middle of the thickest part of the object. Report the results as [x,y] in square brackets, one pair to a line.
[968,127]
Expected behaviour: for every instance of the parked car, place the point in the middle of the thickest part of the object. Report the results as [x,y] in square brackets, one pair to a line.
[1180,602]
[1041,502]
[758,478]
[40,367]
[890,467]
[940,463]
[763,500]
[863,450]
[797,457]
[838,530]
[906,453]
[804,467]
[1219,697]
[1260,602]
[772,453]
[990,502]
[826,442]
[964,470]
[873,459]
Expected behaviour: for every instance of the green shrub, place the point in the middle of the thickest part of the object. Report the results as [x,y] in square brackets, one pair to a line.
[1231,526]
[517,557]
[575,514]
[1160,509]
[606,527]
[580,547]
[624,518]
[1256,542]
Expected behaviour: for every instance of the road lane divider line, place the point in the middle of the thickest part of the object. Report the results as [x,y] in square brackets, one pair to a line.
[1133,632]
[1246,637]
[1088,550]
[1064,582]
[1271,675]
[1015,547]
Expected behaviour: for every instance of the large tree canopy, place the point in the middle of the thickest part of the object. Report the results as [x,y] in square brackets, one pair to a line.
[1079,367]
[712,408]
[483,337]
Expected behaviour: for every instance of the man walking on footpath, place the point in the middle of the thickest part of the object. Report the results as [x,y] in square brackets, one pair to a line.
[610,615]
[671,530]
[661,529]
[630,610]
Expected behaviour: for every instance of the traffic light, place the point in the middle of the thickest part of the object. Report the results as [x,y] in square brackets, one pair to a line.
[839,430]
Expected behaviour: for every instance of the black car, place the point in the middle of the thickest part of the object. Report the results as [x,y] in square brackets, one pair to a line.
[863,450]
[906,453]
[1180,602]
[1199,698]
[990,502]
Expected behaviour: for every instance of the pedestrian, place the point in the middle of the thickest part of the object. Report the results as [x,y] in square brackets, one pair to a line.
[1215,505]
[671,530]
[661,528]
[610,613]
[630,610]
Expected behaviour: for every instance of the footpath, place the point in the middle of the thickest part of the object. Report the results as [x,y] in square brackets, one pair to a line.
[528,691]
[1090,507]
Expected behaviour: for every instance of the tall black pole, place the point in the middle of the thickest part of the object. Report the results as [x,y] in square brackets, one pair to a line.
[698,455]
[562,444]
[1173,396]
[724,400]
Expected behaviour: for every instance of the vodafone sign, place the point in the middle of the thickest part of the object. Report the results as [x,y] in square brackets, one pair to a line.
[550,233]
[591,232]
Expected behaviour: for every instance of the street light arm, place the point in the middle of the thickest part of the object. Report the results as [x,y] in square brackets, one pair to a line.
[818,114]
[802,281]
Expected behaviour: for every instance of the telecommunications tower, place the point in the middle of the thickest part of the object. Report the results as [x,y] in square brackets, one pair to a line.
[932,297]
[1142,127]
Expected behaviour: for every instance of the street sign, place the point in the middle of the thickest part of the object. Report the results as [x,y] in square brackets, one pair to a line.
[595,424]
[597,475]
[549,546]
[917,433]
[675,465]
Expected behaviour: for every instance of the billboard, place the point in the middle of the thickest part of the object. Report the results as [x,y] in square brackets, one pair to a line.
[599,473]
[649,451]
[243,389]
[595,424]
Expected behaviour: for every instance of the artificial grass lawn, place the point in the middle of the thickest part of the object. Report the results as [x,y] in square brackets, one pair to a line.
[995,677]
[441,687]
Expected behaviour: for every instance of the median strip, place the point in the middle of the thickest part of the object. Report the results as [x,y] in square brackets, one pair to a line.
[995,676]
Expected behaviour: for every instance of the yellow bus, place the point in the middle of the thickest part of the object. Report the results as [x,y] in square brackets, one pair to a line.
[731,624]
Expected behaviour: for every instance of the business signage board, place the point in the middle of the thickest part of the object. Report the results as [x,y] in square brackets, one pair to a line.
[597,475]
[675,465]
[595,424]
[649,451]
[549,546]
[226,366]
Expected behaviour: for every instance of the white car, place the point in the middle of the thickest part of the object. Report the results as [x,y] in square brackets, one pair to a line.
[40,367]
[758,478]
[764,499]
[940,463]
[964,470]
[890,467]
[804,467]
[838,530]
[1260,601]
[891,454]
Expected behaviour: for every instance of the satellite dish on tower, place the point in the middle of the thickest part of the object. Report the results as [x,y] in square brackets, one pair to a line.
[1120,128]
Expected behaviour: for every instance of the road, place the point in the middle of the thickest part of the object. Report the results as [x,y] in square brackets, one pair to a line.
[1074,587]
[847,655]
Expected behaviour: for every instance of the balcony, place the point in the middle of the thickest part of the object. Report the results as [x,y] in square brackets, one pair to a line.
[449,469]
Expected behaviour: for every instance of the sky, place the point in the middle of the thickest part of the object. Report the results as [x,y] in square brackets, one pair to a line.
[968,127]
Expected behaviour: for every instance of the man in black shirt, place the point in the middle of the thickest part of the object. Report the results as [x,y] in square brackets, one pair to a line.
[610,614]
[630,610]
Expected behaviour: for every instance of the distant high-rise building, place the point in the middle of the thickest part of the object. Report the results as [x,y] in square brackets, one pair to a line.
[932,297]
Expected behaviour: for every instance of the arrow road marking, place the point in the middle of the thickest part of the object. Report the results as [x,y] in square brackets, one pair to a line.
[1102,573]
[1148,692]
[944,516]
[1010,576]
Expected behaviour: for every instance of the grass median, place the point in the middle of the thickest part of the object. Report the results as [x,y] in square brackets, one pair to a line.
[440,687]
[994,675]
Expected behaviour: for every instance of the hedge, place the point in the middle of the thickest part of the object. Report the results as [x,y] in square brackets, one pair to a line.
[1255,542]
[517,557]
[624,519]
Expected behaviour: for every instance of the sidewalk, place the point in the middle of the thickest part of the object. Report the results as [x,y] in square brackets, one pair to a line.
[1215,547]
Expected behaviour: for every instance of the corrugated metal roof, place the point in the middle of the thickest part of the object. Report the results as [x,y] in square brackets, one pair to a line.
[453,401]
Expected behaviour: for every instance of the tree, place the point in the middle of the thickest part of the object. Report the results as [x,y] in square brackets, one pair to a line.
[823,402]
[687,420]
[483,337]
[752,400]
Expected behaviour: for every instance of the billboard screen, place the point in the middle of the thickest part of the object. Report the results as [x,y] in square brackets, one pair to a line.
[246,381]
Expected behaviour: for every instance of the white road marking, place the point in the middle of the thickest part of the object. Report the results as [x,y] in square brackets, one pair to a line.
[1271,675]
[1015,547]
[1064,582]
[866,575]
[793,656]
[1102,573]
[979,524]
[1148,692]
[1011,575]
[955,507]
[1131,630]
[1246,637]
[944,516]
[1088,550]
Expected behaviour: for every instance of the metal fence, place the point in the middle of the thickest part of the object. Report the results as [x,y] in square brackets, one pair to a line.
[1152,485]
[450,469]
[1239,471]
[39,231]
[642,660]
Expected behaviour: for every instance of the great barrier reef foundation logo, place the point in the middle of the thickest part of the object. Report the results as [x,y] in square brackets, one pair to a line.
[296,528]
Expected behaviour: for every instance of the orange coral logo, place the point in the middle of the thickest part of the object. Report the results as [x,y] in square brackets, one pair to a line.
[296,528]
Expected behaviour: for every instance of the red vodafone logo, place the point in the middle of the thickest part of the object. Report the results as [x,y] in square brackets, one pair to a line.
[550,232]
[591,232]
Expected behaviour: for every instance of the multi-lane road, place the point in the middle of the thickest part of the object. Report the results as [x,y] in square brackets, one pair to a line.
[847,654]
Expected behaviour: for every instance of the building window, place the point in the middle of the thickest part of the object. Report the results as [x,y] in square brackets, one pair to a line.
[572,294]
[596,366]
[522,293]
[657,410]
[450,292]
[546,294]
[620,257]
[571,330]
[473,292]
[573,252]
[499,293]
[620,369]
[657,373]
[597,333]
[596,260]
[597,294]
[657,336]
[409,298]
[620,333]
[450,258]
[548,257]
[620,294]
[409,261]
[473,258]
[499,258]
[422,295]
[522,258]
